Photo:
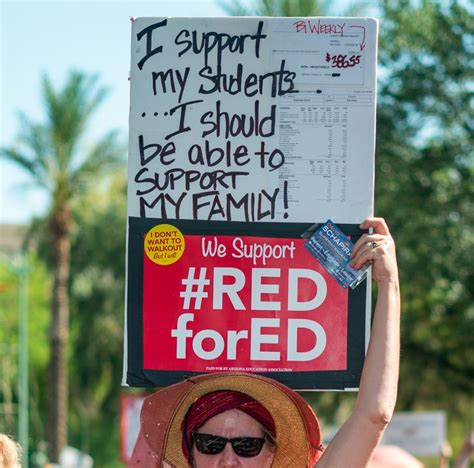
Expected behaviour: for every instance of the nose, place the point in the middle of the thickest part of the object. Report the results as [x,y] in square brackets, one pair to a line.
[228,457]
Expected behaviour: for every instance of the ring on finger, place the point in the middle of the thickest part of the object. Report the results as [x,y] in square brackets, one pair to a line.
[373,244]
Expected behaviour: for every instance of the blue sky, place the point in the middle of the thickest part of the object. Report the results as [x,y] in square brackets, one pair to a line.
[54,37]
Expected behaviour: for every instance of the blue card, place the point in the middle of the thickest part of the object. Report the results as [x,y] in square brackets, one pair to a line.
[332,248]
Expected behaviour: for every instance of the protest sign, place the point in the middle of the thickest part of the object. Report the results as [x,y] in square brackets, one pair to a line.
[420,433]
[243,133]
[130,408]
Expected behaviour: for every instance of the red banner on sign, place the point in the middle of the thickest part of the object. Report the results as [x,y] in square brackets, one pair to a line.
[224,302]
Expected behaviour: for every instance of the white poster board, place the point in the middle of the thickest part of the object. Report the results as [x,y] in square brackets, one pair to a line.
[420,433]
[253,119]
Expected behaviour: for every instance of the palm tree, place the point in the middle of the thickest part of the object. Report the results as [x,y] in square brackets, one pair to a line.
[54,156]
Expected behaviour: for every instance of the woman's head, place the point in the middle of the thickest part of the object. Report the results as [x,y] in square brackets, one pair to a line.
[173,419]
[228,428]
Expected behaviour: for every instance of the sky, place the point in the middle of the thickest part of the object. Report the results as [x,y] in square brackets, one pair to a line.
[54,37]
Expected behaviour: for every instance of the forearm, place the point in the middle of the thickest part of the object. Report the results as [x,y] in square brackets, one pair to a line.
[378,386]
[358,437]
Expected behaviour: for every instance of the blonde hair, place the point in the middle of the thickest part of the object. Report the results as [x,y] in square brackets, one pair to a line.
[10,452]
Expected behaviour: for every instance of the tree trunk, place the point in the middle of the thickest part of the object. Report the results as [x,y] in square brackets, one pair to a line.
[60,225]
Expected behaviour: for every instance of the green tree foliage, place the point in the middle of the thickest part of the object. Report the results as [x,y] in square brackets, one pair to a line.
[54,155]
[424,187]
[97,290]
[291,8]
[276,8]
[39,282]
[97,309]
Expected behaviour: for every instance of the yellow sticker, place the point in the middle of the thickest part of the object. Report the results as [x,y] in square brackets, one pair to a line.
[164,244]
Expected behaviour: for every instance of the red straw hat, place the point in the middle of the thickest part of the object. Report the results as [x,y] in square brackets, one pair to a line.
[298,435]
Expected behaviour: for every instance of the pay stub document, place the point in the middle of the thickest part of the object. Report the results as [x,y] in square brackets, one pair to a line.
[327,129]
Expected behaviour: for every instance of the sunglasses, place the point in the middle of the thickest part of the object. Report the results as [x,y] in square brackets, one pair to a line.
[210,444]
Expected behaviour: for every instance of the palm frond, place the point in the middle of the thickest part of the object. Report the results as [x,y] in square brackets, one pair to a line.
[287,8]
[69,110]
[105,156]
[360,9]
[36,138]
[268,8]
[26,163]
[236,8]
[52,151]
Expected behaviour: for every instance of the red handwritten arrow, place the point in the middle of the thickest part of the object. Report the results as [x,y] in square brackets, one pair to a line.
[362,45]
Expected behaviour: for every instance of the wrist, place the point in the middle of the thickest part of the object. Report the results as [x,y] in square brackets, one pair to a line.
[389,283]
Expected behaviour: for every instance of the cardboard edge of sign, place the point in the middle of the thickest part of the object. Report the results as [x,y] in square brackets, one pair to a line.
[358,311]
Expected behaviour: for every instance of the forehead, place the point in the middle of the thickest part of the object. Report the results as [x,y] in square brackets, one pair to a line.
[232,423]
